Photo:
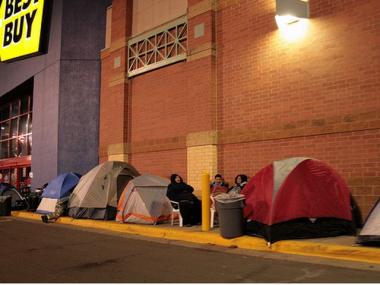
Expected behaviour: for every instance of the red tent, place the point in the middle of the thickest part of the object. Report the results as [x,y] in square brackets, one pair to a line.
[297,198]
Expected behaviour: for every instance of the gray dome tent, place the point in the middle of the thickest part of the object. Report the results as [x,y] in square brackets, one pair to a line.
[17,201]
[96,195]
[144,201]
[370,233]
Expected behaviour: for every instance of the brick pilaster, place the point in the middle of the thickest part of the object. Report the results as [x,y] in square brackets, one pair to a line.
[202,146]
[114,94]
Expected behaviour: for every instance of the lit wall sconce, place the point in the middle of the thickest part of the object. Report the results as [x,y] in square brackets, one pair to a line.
[291,11]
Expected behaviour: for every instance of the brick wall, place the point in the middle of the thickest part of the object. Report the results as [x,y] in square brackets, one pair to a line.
[317,96]
[171,101]
[162,163]
[113,121]
[268,98]
[354,155]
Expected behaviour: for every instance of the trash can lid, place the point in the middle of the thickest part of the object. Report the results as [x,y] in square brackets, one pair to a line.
[229,197]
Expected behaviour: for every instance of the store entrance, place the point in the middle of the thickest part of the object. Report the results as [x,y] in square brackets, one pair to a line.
[20,176]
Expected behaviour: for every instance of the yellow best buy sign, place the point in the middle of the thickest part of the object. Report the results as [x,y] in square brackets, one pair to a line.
[20,27]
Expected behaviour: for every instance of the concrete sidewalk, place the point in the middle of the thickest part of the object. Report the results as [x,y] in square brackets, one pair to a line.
[341,248]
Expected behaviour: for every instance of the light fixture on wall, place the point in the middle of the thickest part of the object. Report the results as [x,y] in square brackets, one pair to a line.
[291,11]
[292,18]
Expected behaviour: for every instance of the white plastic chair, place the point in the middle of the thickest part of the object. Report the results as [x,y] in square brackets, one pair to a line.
[176,212]
[212,211]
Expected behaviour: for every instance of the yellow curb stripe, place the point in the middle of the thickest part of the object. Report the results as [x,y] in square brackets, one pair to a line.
[351,253]
[26,215]
[348,253]
[151,231]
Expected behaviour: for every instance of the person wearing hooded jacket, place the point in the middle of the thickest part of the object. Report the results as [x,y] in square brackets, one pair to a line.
[189,205]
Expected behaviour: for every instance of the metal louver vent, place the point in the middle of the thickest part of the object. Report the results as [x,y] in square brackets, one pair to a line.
[159,47]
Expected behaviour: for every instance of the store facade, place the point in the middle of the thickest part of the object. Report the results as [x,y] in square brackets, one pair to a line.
[218,86]
[55,89]
[188,86]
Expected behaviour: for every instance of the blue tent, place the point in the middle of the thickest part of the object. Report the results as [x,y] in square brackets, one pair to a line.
[61,186]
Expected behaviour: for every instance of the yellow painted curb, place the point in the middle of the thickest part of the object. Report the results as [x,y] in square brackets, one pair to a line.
[27,215]
[349,253]
[150,231]
[333,251]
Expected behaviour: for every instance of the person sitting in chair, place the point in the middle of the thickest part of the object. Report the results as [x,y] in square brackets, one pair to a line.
[218,186]
[189,205]
[240,181]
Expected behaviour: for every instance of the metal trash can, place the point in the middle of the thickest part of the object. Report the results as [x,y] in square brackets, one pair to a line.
[5,205]
[230,214]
